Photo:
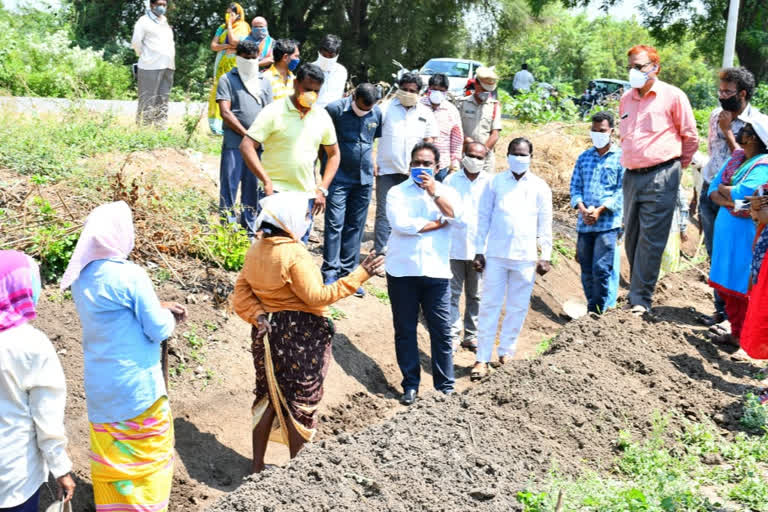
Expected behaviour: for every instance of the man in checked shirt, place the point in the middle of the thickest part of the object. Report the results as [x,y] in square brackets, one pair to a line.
[596,192]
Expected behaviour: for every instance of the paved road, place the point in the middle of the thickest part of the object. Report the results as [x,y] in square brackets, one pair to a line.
[176,109]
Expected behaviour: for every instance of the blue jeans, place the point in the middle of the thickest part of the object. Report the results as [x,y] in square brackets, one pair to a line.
[407,296]
[31,505]
[707,213]
[346,209]
[233,173]
[441,174]
[596,257]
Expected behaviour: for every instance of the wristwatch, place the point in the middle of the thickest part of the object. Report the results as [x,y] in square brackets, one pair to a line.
[323,190]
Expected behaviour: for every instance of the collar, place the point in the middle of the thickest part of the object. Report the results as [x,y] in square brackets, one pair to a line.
[614,148]
[654,89]
[480,176]
[515,180]
[348,104]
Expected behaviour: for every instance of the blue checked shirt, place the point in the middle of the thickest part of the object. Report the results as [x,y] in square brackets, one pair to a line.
[597,181]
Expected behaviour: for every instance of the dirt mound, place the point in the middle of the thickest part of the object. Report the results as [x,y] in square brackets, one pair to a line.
[478,448]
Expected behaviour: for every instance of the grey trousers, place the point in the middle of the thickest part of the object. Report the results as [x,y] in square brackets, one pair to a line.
[154,88]
[465,279]
[381,228]
[649,204]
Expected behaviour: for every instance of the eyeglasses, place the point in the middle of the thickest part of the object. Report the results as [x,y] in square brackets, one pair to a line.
[725,93]
[639,67]
[423,163]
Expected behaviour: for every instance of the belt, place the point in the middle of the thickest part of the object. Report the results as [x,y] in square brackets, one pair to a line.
[646,170]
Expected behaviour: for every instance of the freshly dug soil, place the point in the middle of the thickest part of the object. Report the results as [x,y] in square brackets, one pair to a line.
[477,449]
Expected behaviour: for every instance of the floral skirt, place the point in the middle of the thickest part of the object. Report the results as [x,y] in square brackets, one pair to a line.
[291,364]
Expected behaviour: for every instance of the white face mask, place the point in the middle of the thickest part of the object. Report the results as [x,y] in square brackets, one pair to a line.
[472,165]
[637,78]
[247,68]
[436,97]
[325,63]
[488,87]
[600,139]
[518,164]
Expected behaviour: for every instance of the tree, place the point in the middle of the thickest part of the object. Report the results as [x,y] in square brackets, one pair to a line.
[673,20]
[373,31]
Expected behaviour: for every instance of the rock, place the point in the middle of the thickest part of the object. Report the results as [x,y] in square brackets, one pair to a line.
[482,494]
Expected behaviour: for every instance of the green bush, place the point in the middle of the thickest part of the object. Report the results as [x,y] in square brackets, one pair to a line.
[37,58]
[531,107]
[225,245]
[53,246]
[760,98]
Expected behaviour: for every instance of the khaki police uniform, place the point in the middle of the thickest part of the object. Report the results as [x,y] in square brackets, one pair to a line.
[478,120]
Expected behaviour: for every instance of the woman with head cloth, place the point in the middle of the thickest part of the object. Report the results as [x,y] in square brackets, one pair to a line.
[32,394]
[280,292]
[123,324]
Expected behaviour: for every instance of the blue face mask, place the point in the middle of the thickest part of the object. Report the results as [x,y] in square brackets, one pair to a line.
[293,64]
[259,32]
[416,172]
[159,10]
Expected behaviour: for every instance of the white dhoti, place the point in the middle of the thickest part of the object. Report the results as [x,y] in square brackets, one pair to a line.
[503,279]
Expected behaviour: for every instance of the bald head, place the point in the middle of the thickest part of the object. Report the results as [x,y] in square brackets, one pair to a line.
[258,21]
[477,149]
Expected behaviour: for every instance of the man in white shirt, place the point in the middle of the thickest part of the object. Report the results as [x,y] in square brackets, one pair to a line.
[405,123]
[418,271]
[153,43]
[515,212]
[523,80]
[470,184]
[335,74]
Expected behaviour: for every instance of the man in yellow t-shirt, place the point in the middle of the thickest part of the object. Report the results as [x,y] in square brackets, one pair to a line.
[291,131]
[280,74]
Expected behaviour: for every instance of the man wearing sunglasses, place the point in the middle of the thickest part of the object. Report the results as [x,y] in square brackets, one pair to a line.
[658,140]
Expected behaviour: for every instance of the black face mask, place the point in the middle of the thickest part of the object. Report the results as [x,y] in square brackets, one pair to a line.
[732,104]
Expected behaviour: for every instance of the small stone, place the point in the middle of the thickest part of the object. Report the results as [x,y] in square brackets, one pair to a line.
[62,352]
[193,500]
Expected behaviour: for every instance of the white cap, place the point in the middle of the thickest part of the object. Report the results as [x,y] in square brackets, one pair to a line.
[759,123]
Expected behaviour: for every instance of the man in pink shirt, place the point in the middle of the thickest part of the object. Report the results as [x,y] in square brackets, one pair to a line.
[658,140]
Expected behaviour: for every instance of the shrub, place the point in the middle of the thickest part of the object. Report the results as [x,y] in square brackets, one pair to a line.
[225,245]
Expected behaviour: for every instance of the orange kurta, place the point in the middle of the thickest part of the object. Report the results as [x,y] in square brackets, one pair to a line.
[279,275]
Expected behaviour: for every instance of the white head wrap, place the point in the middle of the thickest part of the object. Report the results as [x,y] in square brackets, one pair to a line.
[108,233]
[287,211]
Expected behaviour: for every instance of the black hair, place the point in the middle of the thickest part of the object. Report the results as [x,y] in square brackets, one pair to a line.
[367,93]
[311,71]
[603,116]
[283,47]
[762,146]
[742,77]
[247,47]
[426,145]
[271,230]
[153,2]
[410,78]
[439,80]
[524,66]
[330,43]
[520,140]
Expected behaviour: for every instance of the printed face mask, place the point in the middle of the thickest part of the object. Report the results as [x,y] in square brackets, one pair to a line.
[472,165]
[307,99]
[436,97]
[407,99]
[159,10]
[518,164]
[600,139]
[416,172]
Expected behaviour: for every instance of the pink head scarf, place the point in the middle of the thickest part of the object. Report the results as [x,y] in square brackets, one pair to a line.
[19,280]
[108,233]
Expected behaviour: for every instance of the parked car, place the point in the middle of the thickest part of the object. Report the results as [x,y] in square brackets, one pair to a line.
[458,72]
